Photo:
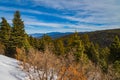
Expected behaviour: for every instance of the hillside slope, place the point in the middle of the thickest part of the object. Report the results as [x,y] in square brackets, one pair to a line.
[9,69]
[103,37]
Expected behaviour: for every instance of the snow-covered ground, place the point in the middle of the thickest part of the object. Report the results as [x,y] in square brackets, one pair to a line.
[9,69]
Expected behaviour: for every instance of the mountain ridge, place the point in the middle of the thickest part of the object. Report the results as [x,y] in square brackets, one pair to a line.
[54,35]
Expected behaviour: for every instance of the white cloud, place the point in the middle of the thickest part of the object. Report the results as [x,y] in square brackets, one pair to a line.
[103,11]
[61,4]
[61,27]
[103,15]
[100,11]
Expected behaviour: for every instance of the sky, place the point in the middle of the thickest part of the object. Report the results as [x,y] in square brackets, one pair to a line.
[43,16]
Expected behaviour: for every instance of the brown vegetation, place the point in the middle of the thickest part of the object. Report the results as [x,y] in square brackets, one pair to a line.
[47,66]
[2,48]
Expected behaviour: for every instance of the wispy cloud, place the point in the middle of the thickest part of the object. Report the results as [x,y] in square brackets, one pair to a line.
[78,17]
[84,14]
[102,11]
[33,23]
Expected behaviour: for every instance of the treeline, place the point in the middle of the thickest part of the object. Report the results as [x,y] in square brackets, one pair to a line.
[13,37]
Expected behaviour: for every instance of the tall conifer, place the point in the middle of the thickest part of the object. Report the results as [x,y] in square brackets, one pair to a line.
[18,32]
[59,47]
[77,46]
[19,38]
[115,50]
[5,31]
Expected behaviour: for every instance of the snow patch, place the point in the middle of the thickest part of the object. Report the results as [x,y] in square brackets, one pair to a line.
[9,69]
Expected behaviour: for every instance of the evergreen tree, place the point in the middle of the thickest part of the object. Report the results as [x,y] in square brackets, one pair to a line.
[103,58]
[76,45]
[19,38]
[116,67]
[86,40]
[36,43]
[79,50]
[115,50]
[87,43]
[18,32]
[5,31]
[59,47]
[46,42]
[33,42]
[93,54]
[114,58]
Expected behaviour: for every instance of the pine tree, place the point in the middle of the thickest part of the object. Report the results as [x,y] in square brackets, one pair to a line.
[103,58]
[86,40]
[115,50]
[87,43]
[5,31]
[46,42]
[59,47]
[18,32]
[19,38]
[116,67]
[76,45]
[34,42]
[79,50]
[93,54]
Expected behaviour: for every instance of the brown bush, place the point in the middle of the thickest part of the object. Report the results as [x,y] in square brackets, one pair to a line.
[2,48]
[71,73]
[47,66]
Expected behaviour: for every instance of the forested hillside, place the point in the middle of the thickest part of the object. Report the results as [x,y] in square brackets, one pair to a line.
[103,37]
[74,57]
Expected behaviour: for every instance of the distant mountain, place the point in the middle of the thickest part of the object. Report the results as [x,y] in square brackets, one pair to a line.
[102,37]
[36,35]
[54,35]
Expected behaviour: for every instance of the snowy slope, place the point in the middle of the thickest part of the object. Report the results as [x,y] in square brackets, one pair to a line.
[9,69]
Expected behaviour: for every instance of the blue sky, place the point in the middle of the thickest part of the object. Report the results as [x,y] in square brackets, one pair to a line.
[42,16]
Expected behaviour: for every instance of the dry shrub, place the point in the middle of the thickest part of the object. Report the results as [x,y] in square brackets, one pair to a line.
[111,75]
[2,47]
[20,54]
[71,73]
[41,66]
[47,66]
